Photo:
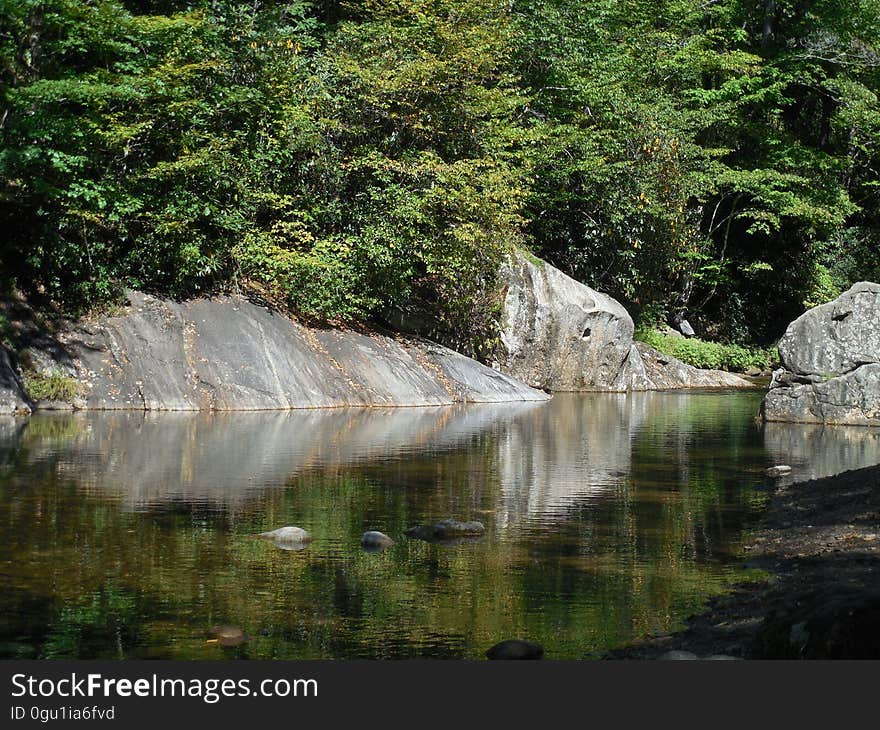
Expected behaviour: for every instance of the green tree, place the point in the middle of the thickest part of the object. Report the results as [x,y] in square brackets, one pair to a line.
[132,155]
[417,175]
[711,160]
[693,162]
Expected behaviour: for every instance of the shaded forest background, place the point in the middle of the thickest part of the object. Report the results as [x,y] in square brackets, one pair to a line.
[712,159]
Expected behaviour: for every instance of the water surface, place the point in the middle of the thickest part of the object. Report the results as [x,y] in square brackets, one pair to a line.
[609,517]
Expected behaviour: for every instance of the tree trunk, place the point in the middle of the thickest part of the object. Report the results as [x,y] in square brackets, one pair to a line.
[769,17]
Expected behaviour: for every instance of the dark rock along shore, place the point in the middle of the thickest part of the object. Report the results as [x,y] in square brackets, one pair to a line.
[820,543]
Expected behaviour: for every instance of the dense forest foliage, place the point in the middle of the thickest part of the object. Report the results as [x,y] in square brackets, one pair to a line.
[713,159]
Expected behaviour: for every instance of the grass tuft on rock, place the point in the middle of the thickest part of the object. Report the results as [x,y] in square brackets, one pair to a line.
[51,386]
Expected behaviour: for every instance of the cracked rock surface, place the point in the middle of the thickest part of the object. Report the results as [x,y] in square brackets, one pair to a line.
[561,335]
[835,338]
[831,363]
[229,353]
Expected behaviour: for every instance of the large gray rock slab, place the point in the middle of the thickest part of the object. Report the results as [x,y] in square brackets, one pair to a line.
[12,394]
[228,353]
[852,399]
[831,363]
[559,334]
[837,337]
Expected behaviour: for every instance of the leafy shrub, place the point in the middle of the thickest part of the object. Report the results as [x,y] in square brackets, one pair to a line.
[51,386]
[710,355]
[220,145]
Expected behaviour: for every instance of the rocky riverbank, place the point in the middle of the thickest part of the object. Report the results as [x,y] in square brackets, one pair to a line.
[560,335]
[820,544]
[231,352]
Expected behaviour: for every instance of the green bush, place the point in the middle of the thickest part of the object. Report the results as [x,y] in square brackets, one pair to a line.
[341,172]
[710,355]
[51,386]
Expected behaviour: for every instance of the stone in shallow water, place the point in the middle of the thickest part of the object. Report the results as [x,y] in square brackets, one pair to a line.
[228,635]
[515,649]
[778,471]
[676,655]
[375,540]
[446,530]
[289,534]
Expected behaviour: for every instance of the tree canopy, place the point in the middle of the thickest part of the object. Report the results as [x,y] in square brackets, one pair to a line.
[716,160]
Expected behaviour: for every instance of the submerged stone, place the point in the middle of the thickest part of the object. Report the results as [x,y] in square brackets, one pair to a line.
[375,540]
[228,635]
[446,530]
[778,471]
[289,534]
[677,655]
[515,649]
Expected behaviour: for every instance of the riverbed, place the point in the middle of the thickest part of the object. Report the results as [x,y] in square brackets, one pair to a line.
[609,518]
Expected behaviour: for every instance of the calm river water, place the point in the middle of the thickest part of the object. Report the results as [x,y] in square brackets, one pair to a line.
[609,517]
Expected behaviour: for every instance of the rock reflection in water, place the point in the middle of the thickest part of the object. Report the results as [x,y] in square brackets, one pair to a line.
[607,517]
[223,458]
[815,451]
[545,456]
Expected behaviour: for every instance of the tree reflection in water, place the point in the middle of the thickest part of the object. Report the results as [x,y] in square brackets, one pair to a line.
[608,517]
